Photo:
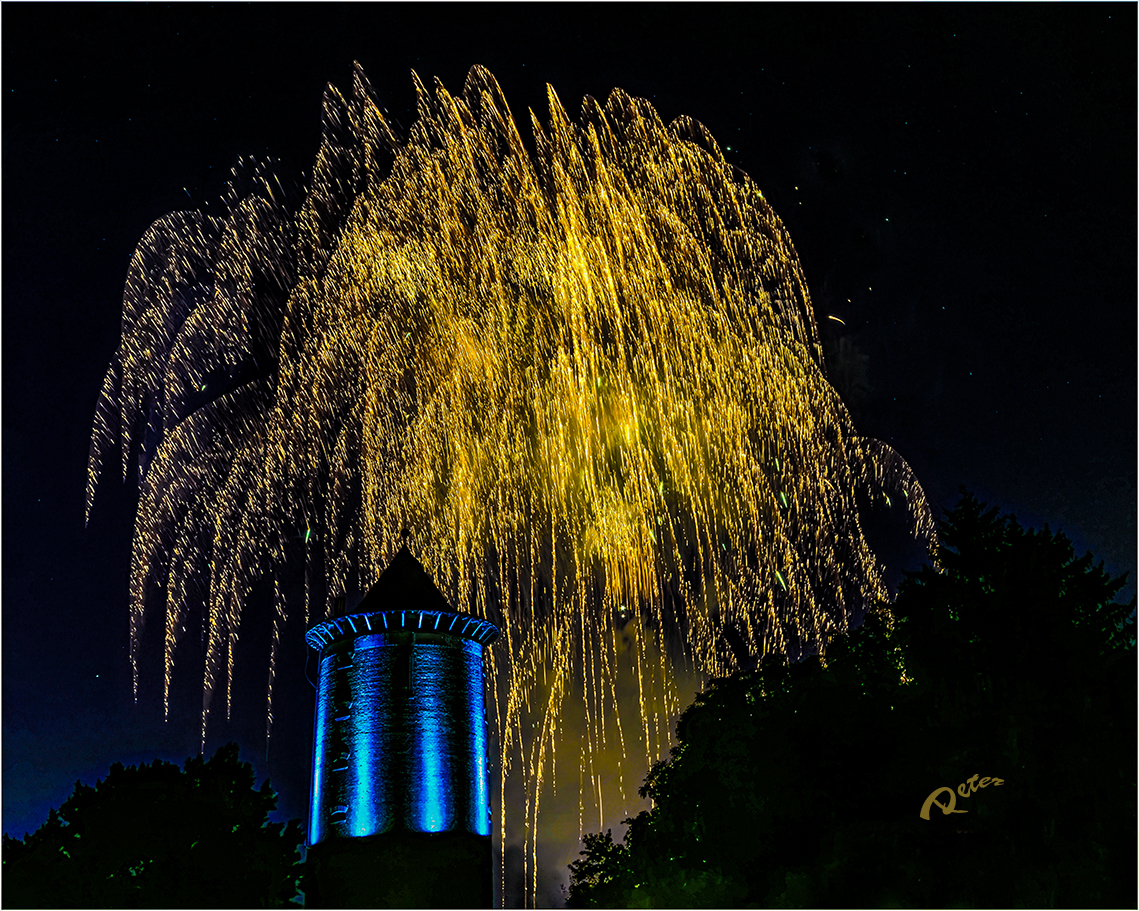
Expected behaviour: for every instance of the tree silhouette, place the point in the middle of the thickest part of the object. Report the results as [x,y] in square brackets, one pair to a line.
[156,836]
[801,786]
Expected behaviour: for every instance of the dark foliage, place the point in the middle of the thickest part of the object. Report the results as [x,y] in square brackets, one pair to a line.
[801,786]
[156,836]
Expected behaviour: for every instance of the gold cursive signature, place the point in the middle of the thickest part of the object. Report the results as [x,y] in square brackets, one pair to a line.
[970,786]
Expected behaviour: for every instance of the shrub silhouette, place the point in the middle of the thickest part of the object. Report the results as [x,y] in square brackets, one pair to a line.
[156,836]
[801,785]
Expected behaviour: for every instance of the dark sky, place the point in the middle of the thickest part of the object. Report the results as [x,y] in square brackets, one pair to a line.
[959,182]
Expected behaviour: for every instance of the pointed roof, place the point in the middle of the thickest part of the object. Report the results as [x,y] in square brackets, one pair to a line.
[404,585]
[403,598]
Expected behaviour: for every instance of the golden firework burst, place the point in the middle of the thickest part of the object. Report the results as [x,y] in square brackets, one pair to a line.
[586,380]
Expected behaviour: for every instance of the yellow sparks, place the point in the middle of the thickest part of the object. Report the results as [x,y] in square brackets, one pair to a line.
[583,380]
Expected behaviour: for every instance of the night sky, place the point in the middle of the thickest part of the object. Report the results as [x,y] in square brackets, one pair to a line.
[959,182]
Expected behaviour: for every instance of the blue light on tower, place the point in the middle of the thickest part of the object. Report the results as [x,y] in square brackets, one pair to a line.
[400,743]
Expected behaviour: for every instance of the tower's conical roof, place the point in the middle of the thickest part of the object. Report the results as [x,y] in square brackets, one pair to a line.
[404,585]
[403,598]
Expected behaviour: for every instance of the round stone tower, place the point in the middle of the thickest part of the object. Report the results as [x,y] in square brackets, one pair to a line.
[399,814]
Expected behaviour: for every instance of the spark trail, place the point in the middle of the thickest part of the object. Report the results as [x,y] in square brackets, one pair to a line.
[586,381]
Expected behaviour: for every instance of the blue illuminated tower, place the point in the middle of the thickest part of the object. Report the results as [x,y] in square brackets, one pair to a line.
[399,814]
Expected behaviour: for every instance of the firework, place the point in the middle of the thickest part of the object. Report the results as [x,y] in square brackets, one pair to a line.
[585,382]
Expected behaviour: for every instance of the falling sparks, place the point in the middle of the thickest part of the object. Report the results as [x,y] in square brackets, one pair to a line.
[585,382]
